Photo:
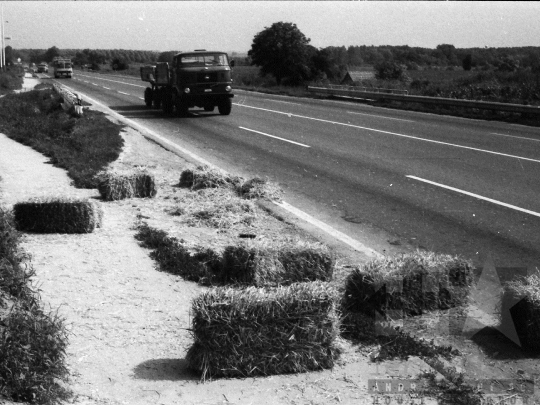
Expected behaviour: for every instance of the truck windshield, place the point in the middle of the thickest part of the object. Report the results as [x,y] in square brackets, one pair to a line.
[217,59]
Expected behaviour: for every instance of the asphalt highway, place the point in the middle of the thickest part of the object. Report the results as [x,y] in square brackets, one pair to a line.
[394,180]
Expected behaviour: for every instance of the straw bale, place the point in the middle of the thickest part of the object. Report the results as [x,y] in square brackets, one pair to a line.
[282,263]
[521,305]
[250,332]
[118,186]
[205,177]
[411,283]
[58,215]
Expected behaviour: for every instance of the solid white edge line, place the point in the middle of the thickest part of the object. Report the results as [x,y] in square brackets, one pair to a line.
[518,137]
[293,210]
[276,137]
[536,214]
[390,133]
[328,229]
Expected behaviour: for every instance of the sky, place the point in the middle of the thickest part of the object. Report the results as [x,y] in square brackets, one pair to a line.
[231,25]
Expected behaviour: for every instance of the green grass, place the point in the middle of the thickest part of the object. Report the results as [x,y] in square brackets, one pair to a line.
[9,81]
[82,145]
[33,341]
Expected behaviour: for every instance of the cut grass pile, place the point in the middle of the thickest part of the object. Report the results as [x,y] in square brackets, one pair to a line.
[82,145]
[204,177]
[58,215]
[32,341]
[406,285]
[251,263]
[521,305]
[216,208]
[118,186]
[252,332]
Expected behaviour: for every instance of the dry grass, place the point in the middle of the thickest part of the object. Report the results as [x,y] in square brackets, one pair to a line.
[204,177]
[58,215]
[250,332]
[216,208]
[118,186]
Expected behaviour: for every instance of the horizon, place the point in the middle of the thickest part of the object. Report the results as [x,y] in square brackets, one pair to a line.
[231,26]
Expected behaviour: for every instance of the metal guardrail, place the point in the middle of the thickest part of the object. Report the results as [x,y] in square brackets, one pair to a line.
[485,105]
[368,89]
[70,99]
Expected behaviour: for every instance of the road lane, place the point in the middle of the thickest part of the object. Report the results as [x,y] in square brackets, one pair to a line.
[355,174]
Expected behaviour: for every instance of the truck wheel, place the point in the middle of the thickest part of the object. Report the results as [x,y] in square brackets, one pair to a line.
[225,107]
[148,94]
[157,102]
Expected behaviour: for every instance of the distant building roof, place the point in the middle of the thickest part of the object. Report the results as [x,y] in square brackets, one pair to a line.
[356,76]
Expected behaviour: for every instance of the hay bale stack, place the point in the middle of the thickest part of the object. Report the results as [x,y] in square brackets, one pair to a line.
[250,332]
[521,305]
[205,177]
[259,188]
[58,215]
[411,283]
[118,186]
[279,264]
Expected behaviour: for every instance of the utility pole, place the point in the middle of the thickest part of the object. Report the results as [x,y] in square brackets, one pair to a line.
[3,52]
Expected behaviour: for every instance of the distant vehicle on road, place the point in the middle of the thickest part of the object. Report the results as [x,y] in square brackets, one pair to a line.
[200,78]
[62,67]
[43,68]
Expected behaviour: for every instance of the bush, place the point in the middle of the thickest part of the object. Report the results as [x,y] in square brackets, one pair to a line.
[116,186]
[119,64]
[389,70]
[521,305]
[14,271]
[33,350]
[250,332]
[58,216]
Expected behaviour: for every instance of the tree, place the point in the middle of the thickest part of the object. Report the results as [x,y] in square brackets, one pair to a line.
[389,70]
[282,51]
[467,62]
[9,55]
[119,64]
[51,53]
[166,56]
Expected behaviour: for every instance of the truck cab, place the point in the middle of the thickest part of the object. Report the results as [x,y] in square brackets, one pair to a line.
[194,79]
[62,67]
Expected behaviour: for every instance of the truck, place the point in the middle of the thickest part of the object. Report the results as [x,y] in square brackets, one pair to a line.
[194,79]
[62,67]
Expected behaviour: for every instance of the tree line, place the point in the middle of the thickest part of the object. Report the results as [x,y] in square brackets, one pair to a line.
[284,52]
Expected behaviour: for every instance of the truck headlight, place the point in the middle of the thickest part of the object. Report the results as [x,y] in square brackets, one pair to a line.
[187,90]
[228,88]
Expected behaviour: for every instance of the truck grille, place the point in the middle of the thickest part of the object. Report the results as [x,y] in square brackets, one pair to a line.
[207,77]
